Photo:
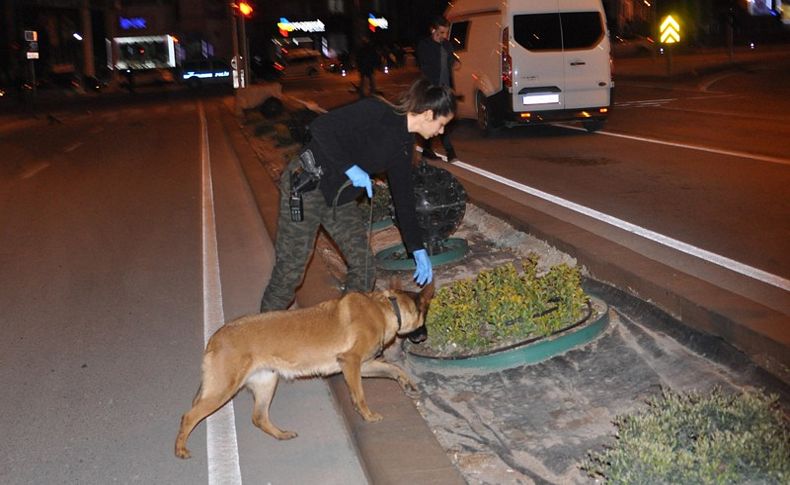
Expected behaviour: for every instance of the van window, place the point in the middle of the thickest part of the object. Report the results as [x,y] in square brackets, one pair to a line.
[538,32]
[581,30]
[458,33]
[552,31]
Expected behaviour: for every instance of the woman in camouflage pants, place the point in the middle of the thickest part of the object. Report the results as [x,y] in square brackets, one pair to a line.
[370,136]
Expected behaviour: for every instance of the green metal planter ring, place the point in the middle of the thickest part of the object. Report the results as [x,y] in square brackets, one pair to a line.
[396,258]
[523,353]
[382,224]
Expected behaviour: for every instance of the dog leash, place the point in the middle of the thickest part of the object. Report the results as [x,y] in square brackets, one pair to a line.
[370,250]
[343,187]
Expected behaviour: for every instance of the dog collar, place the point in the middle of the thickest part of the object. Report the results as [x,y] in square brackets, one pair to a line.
[396,309]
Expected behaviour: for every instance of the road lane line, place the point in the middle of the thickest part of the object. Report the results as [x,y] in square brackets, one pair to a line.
[753,156]
[30,172]
[72,147]
[222,446]
[711,257]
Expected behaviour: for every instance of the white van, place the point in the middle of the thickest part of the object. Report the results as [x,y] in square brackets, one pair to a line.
[531,61]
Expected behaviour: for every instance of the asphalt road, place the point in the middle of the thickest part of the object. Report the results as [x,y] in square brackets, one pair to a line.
[102,216]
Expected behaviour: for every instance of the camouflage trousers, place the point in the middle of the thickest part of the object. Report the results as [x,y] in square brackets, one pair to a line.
[348,228]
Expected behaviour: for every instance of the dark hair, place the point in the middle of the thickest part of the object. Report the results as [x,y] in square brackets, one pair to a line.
[423,96]
[440,21]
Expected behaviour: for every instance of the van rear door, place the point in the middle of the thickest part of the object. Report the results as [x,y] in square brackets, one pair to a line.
[586,55]
[560,56]
[537,60]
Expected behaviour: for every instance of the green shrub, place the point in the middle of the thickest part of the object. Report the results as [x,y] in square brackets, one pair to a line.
[695,439]
[502,306]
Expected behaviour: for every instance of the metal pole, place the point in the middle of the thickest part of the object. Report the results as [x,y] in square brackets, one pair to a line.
[110,21]
[88,65]
[235,38]
[669,48]
[245,60]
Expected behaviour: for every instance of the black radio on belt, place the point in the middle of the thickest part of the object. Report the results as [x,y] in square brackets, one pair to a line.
[303,179]
[297,211]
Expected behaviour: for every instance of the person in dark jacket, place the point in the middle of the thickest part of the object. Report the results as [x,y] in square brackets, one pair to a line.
[368,60]
[435,58]
[370,136]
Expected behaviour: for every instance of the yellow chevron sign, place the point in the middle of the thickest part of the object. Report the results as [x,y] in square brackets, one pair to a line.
[670,30]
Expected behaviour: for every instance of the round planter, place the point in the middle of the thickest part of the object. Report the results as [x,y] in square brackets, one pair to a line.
[382,224]
[395,257]
[529,351]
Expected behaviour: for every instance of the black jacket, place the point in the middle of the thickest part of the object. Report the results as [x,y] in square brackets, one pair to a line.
[368,59]
[429,59]
[370,134]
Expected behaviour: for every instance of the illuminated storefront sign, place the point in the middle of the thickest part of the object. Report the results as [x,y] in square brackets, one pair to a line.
[206,74]
[146,52]
[134,23]
[286,26]
[377,23]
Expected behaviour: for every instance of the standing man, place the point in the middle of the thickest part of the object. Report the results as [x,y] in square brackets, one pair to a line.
[367,63]
[435,58]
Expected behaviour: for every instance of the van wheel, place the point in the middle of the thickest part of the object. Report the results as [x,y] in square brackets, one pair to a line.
[592,125]
[484,120]
[312,72]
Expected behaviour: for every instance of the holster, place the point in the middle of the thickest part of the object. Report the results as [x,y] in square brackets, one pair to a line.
[306,175]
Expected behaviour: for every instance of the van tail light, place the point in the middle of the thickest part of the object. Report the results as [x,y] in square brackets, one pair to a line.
[507,62]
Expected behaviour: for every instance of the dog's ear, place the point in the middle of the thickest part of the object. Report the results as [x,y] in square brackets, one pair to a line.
[425,296]
[395,283]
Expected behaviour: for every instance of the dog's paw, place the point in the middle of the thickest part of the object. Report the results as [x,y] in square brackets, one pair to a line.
[412,392]
[286,435]
[183,453]
[407,384]
[372,417]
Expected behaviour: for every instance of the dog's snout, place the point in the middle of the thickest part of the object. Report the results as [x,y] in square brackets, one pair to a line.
[419,335]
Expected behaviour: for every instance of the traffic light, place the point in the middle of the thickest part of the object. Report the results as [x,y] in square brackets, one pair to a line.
[245,9]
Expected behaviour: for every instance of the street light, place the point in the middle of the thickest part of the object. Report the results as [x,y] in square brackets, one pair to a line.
[245,9]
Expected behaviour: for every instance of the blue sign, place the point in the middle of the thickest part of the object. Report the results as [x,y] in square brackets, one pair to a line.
[133,23]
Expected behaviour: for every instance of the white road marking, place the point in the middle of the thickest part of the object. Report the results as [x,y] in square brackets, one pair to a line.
[711,257]
[72,147]
[729,153]
[222,446]
[644,103]
[34,169]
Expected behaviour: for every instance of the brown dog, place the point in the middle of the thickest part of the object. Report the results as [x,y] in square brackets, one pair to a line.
[340,335]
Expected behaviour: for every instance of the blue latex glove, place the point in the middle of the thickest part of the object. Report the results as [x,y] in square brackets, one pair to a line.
[360,178]
[424,273]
